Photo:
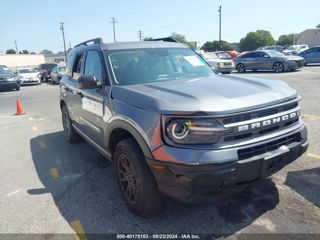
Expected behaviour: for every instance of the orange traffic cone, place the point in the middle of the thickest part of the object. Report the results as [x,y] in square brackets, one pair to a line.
[19,108]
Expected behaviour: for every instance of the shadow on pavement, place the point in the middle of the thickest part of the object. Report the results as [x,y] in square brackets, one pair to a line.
[87,191]
[306,183]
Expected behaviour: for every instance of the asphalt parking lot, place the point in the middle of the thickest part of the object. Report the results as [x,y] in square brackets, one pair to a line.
[50,186]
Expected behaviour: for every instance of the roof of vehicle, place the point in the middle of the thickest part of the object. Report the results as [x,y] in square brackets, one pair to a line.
[156,43]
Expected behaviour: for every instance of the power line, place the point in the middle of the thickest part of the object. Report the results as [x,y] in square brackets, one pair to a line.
[140,35]
[64,41]
[114,30]
[219,11]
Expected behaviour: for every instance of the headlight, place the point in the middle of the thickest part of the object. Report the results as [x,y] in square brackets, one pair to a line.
[12,79]
[193,131]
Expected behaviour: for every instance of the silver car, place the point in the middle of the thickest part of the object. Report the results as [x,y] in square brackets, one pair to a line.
[267,60]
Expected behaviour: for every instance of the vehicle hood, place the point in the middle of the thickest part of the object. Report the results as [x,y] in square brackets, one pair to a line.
[3,77]
[28,74]
[293,58]
[212,95]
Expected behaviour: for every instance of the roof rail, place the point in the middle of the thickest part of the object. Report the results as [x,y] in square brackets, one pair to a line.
[166,39]
[94,41]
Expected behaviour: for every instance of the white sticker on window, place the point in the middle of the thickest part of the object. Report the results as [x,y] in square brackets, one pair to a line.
[194,61]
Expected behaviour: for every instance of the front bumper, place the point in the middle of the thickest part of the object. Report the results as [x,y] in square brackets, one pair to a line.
[9,85]
[30,82]
[225,69]
[200,183]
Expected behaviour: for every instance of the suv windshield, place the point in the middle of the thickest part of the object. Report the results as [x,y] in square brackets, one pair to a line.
[5,70]
[47,66]
[27,71]
[158,64]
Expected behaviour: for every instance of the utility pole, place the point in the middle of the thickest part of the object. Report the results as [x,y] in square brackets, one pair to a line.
[15,42]
[114,30]
[140,35]
[219,27]
[64,42]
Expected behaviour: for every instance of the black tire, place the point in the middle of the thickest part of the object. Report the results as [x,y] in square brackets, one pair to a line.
[136,182]
[18,88]
[254,70]
[71,135]
[241,68]
[278,67]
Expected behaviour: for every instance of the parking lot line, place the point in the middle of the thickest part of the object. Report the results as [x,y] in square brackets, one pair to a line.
[54,172]
[313,155]
[34,128]
[78,230]
[311,116]
[30,118]
[42,144]
[41,119]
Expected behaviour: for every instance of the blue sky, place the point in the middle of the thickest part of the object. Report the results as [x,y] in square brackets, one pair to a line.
[34,23]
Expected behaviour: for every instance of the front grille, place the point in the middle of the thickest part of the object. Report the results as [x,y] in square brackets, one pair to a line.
[228,64]
[299,63]
[259,114]
[268,147]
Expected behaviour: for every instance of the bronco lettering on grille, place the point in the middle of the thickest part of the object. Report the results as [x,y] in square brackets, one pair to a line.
[267,122]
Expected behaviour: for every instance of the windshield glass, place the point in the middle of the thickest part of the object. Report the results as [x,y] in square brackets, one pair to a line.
[27,71]
[210,55]
[293,48]
[223,55]
[158,64]
[5,70]
[61,69]
[275,54]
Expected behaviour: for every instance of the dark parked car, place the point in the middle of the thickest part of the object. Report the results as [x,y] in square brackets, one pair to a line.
[172,127]
[57,74]
[8,80]
[267,60]
[312,55]
[45,71]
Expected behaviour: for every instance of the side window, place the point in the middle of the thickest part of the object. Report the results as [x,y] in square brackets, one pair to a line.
[76,69]
[93,66]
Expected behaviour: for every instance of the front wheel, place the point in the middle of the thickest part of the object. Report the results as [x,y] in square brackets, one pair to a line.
[278,67]
[137,184]
[71,135]
[240,68]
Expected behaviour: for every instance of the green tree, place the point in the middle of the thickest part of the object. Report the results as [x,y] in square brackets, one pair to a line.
[286,39]
[24,52]
[146,38]
[46,51]
[32,53]
[318,26]
[214,46]
[181,38]
[253,40]
[11,51]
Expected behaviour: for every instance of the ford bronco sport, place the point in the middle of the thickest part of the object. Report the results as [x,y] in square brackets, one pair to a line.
[174,128]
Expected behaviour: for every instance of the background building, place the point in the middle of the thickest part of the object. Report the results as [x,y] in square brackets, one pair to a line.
[311,37]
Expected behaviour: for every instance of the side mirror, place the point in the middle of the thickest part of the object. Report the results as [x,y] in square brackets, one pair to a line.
[88,82]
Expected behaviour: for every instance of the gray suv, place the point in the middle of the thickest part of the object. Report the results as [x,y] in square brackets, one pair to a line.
[172,127]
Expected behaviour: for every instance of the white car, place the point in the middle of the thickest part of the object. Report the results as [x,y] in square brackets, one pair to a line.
[28,76]
[219,64]
[295,49]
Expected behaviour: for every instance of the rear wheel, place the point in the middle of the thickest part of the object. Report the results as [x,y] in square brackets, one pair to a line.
[137,184]
[69,132]
[18,88]
[241,68]
[278,67]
